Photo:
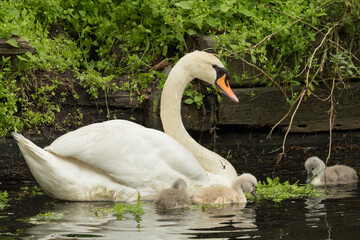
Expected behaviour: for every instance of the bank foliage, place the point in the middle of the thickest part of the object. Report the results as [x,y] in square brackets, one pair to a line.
[291,43]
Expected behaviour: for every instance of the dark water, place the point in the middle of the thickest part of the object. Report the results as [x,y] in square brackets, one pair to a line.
[333,217]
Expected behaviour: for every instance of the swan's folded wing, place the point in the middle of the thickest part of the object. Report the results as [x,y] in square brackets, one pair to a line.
[132,155]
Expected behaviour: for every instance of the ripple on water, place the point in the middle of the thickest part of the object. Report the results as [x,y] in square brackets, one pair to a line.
[334,217]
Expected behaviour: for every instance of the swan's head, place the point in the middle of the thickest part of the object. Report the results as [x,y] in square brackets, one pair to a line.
[179,184]
[314,166]
[207,67]
[246,182]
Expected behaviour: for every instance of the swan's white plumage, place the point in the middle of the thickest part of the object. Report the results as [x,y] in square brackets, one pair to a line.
[107,154]
[117,159]
[126,160]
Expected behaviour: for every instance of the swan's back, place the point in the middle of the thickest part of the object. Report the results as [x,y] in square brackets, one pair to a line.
[218,194]
[331,176]
[340,174]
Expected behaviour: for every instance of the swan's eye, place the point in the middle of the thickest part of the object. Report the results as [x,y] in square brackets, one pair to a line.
[313,169]
[215,66]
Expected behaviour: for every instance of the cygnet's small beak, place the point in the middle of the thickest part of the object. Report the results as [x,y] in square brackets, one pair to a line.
[223,84]
[309,178]
[253,192]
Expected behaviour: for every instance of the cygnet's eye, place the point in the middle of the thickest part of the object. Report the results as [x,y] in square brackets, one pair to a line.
[312,168]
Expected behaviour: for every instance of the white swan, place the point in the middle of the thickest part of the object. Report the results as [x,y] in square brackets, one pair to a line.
[319,174]
[220,194]
[114,160]
[174,197]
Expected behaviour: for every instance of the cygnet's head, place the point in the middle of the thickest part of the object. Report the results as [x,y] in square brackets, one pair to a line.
[314,166]
[247,182]
[179,184]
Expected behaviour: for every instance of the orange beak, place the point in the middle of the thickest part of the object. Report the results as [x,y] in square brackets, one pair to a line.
[224,86]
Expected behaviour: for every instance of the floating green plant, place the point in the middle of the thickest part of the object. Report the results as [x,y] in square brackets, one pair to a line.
[120,209]
[30,191]
[48,216]
[33,191]
[275,191]
[42,217]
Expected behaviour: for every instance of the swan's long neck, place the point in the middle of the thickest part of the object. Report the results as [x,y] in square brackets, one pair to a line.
[170,113]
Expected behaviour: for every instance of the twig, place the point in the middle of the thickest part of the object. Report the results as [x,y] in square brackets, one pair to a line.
[178,30]
[282,119]
[305,88]
[332,110]
[331,120]
[316,49]
[292,118]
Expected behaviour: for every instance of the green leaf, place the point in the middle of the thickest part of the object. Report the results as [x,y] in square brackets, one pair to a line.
[224,8]
[82,13]
[184,5]
[191,32]
[12,42]
[295,83]
[211,21]
[245,12]
[253,58]
[21,58]
[189,101]
[234,47]
[165,50]
[311,86]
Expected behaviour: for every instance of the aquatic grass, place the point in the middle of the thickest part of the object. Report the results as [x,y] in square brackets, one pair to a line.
[275,191]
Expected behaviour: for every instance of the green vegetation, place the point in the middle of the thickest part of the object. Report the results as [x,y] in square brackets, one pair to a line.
[3,200]
[275,191]
[42,217]
[119,210]
[32,192]
[46,217]
[290,42]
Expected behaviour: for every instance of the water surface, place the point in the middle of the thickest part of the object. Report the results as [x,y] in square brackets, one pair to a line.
[334,217]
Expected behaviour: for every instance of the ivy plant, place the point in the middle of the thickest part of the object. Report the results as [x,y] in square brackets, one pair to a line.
[291,43]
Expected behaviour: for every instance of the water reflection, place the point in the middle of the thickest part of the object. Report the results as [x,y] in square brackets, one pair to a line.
[316,210]
[226,221]
[335,217]
[316,206]
[79,219]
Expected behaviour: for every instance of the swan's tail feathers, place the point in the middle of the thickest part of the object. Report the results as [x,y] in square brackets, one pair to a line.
[18,137]
[28,148]
[22,141]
